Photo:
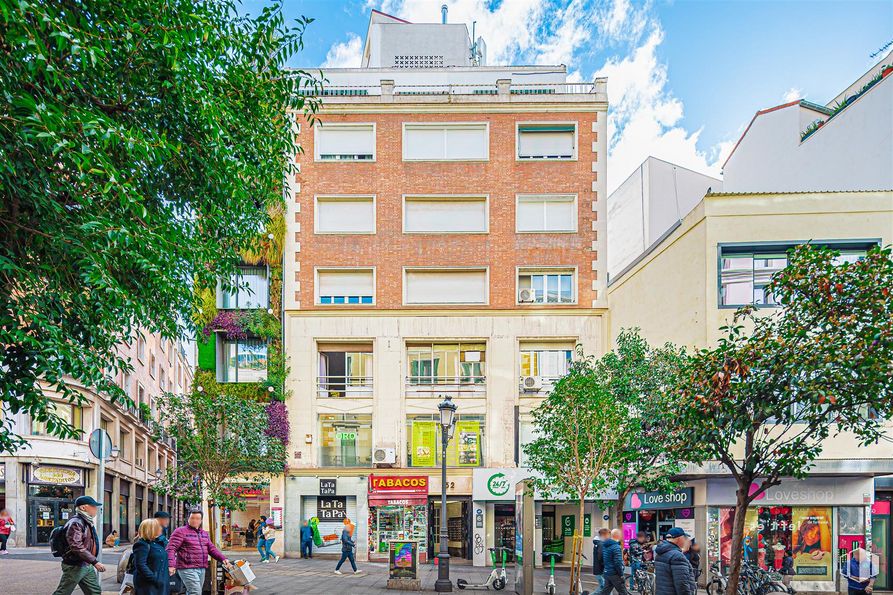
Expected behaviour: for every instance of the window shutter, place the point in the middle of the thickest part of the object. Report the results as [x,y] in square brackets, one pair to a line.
[446,287]
[545,143]
[345,142]
[435,215]
[345,215]
[345,283]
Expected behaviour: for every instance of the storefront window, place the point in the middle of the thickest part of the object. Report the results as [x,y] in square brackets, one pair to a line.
[466,449]
[772,530]
[397,522]
[345,440]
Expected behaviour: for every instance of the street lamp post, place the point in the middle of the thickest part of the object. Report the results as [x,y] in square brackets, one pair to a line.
[447,422]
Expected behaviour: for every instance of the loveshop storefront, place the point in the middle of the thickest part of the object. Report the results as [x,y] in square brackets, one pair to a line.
[818,519]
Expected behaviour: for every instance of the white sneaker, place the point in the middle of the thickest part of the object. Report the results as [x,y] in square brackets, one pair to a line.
[277,559]
[337,572]
[264,561]
[357,571]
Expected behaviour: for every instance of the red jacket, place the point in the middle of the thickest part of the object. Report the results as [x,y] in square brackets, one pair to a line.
[6,525]
[190,548]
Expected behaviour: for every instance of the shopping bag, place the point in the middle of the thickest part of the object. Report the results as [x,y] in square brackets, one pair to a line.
[127,585]
[241,573]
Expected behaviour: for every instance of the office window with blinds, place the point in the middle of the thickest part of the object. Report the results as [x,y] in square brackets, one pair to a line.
[445,214]
[445,286]
[546,213]
[446,142]
[345,142]
[345,214]
[556,141]
[345,287]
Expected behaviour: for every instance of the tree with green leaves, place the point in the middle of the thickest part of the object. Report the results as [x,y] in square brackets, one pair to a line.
[579,435]
[143,145]
[777,385]
[220,438]
[638,375]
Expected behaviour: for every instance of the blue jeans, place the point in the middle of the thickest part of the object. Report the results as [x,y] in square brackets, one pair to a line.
[633,567]
[269,547]
[307,549]
[193,579]
[261,547]
[348,555]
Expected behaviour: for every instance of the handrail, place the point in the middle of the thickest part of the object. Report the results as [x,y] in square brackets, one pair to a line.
[585,88]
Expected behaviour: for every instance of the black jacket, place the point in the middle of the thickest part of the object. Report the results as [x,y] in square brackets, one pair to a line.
[598,563]
[347,544]
[672,571]
[150,574]
[612,554]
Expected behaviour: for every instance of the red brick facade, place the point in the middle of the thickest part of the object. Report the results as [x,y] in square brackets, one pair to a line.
[502,178]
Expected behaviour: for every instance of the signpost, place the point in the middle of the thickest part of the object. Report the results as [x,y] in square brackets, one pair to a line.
[101,447]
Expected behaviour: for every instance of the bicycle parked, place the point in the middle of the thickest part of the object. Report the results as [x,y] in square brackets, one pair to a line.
[753,580]
[643,579]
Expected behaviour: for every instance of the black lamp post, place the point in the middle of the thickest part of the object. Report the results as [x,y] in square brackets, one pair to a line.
[447,422]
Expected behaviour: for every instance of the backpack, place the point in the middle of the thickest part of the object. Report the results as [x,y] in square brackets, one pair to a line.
[598,560]
[59,540]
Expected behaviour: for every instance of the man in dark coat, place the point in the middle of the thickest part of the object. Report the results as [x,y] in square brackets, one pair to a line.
[612,554]
[672,571]
[598,562]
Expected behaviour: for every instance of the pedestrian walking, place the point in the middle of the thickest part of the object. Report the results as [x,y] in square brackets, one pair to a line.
[861,573]
[78,544]
[694,558]
[188,551]
[164,521]
[598,563]
[150,570]
[306,540]
[269,537]
[250,532]
[612,556]
[787,567]
[672,570]
[636,556]
[347,545]
[259,535]
[7,526]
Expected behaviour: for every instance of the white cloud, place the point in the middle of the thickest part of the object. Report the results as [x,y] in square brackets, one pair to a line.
[792,94]
[345,54]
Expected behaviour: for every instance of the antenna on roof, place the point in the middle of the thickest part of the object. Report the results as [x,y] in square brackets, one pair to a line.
[475,52]
[443,14]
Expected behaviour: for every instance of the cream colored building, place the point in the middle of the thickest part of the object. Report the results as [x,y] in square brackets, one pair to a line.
[39,483]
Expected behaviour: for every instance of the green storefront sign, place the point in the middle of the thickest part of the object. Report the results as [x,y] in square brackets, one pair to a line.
[568,522]
[587,525]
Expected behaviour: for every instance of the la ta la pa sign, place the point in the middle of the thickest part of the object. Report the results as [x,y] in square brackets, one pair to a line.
[681,498]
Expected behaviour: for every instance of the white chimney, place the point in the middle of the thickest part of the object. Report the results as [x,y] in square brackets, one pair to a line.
[443,14]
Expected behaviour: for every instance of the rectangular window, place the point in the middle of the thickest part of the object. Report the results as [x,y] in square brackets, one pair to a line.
[345,371]
[445,214]
[249,288]
[466,449]
[141,349]
[547,364]
[556,141]
[445,286]
[550,286]
[546,213]
[526,434]
[745,271]
[244,360]
[345,440]
[72,414]
[343,286]
[162,380]
[447,363]
[446,142]
[345,142]
[345,214]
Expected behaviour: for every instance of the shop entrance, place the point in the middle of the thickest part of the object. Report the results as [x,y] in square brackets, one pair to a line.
[458,526]
[504,528]
[45,514]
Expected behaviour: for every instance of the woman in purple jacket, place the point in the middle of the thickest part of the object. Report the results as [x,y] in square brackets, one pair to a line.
[188,551]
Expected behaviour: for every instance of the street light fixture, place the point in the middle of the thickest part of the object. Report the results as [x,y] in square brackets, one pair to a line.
[447,425]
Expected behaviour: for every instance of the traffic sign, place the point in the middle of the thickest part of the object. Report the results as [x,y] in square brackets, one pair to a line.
[106,444]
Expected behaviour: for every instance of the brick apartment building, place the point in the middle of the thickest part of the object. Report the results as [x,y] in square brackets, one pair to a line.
[446,236]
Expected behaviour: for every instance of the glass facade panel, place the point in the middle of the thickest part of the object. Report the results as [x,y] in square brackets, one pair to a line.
[244,360]
[345,440]
[466,449]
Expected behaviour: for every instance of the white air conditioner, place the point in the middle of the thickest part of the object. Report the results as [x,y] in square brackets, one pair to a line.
[526,296]
[384,456]
[532,383]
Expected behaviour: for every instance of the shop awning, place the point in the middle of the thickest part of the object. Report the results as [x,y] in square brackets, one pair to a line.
[397,500]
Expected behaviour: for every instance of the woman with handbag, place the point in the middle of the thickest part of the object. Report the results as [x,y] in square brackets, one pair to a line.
[7,526]
[150,570]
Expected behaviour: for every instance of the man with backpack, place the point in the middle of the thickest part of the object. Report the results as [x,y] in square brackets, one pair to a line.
[76,543]
[598,562]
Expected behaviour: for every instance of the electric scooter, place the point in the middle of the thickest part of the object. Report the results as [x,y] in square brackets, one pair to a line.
[495,581]
[550,586]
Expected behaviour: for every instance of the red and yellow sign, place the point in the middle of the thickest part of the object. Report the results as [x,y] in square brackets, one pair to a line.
[406,484]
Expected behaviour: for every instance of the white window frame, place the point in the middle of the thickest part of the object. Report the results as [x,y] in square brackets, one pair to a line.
[546,270]
[432,269]
[324,269]
[316,130]
[518,126]
[448,198]
[485,125]
[576,200]
[345,198]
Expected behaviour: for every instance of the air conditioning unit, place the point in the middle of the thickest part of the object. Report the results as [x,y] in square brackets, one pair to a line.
[384,456]
[532,384]
[526,296]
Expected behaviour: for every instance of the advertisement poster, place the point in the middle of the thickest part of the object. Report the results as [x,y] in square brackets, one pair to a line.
[468,443]
[629,533]
[402,560]
[812,545]
[424,443]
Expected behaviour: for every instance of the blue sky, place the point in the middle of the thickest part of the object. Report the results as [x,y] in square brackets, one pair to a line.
[685,76]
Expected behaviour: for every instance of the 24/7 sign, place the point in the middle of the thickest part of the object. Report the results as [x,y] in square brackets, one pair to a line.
[331,508]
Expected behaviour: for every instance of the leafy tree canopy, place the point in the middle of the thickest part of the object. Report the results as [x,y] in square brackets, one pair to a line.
[143,145]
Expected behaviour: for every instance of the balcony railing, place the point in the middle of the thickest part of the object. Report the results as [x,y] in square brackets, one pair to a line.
[498,88]
[432,386]
[349,387]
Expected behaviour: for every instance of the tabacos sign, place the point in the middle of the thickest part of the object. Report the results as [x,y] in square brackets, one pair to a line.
[681,498]
[415,484]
